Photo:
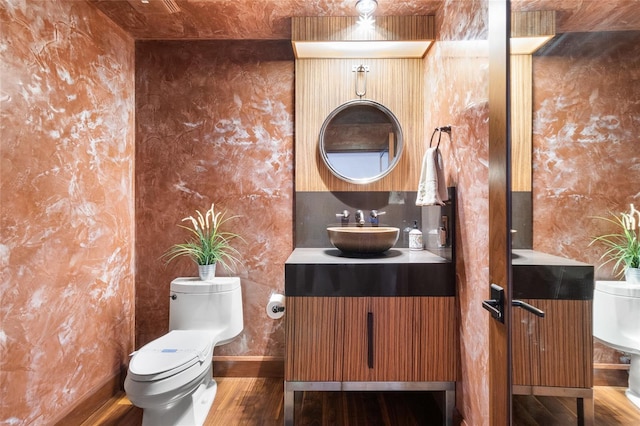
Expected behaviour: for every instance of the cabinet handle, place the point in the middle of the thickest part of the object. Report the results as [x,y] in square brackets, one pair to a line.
[370,339]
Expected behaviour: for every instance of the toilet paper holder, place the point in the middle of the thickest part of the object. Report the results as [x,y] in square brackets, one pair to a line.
[276,306]
[276,309]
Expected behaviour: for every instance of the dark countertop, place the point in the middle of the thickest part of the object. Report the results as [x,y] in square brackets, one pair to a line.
[335,256]
[396,272]
[538,275]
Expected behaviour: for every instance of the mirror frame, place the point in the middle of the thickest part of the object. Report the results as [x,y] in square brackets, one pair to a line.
[393,121]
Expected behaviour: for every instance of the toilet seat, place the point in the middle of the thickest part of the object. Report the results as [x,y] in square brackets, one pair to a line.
[171,354]
[616,313]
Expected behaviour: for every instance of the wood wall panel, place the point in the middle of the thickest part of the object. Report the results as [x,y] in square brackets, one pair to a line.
[435,348]
[533,23]
[314,338]
[339,28]
[521,122]
[324,84]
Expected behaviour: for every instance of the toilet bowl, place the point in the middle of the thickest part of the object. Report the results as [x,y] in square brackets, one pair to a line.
[616,322]
[171,377]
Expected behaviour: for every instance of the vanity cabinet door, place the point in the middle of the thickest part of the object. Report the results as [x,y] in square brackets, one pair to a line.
[566,343]
[557,350]
[436,343]
[314,338]
[379,337]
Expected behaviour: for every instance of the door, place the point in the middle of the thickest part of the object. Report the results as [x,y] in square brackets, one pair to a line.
[499,208]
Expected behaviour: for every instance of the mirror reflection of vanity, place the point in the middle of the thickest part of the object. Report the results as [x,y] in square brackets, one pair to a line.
[361,141]
[584,127]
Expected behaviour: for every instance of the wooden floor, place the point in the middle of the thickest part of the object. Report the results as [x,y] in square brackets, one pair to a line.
[259,401]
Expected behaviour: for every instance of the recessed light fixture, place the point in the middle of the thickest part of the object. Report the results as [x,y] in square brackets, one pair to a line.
[366,7]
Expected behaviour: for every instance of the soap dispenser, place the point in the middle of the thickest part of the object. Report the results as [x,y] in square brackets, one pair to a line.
[415,237]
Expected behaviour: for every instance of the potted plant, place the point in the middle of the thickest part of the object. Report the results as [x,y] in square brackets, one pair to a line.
[623,247]
[208,244]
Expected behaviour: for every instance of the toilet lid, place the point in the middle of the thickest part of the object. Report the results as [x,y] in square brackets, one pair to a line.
[619,288]
[170,354]
[193,285]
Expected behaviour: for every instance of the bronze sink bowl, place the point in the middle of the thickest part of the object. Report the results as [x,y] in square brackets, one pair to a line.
[367,240]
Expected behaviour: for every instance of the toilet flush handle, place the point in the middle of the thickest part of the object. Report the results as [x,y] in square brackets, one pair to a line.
[173,296]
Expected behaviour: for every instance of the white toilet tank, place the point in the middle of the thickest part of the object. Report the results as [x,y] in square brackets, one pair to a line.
[616,315]
[214,305]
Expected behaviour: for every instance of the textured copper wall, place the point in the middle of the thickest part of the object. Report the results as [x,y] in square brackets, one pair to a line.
[67,231]
[586,149]
[236,19]
[215,125]
[456,73]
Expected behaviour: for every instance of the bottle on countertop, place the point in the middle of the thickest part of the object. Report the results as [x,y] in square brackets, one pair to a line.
[405,235]
[415,237]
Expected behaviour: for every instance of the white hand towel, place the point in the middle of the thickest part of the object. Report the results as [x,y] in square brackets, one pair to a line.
[432,188]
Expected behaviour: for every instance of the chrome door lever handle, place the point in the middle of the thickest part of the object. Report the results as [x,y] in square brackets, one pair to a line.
[528,307]
[492,306]
[495,305]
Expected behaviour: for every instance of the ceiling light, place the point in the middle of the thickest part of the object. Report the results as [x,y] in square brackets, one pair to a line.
[366,7]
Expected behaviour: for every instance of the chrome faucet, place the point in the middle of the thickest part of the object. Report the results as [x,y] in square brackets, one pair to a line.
[359,218]
[344,217]
[374,217]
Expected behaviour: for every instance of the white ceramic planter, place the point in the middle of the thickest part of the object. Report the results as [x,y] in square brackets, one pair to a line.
[207,272]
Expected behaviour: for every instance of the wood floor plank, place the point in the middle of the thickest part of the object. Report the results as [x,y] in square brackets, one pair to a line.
[558,410]
[259,402]
[521,415]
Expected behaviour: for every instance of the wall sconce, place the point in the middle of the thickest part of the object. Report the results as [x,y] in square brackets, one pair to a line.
[366,8]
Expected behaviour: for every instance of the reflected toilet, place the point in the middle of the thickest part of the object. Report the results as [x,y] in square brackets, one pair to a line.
[616,322]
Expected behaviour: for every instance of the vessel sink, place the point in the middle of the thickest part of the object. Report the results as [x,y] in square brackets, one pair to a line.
[363,239]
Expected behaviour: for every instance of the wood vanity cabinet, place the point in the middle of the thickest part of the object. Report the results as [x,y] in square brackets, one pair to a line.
[382,323]
[371,339]
[553,356]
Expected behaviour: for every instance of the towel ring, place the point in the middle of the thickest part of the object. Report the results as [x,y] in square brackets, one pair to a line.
[439,137]
[446,129]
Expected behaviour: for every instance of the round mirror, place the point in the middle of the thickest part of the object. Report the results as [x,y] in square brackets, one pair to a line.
[361,141]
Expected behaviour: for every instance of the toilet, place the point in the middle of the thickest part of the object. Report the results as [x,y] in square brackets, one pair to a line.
[171,378]
[616,322]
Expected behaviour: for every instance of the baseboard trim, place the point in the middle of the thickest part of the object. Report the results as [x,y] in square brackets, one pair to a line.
[248,366]
[610,374]
[92,401]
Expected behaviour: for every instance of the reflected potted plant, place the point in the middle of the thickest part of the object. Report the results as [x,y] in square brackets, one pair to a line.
[208,244]
[623,247]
